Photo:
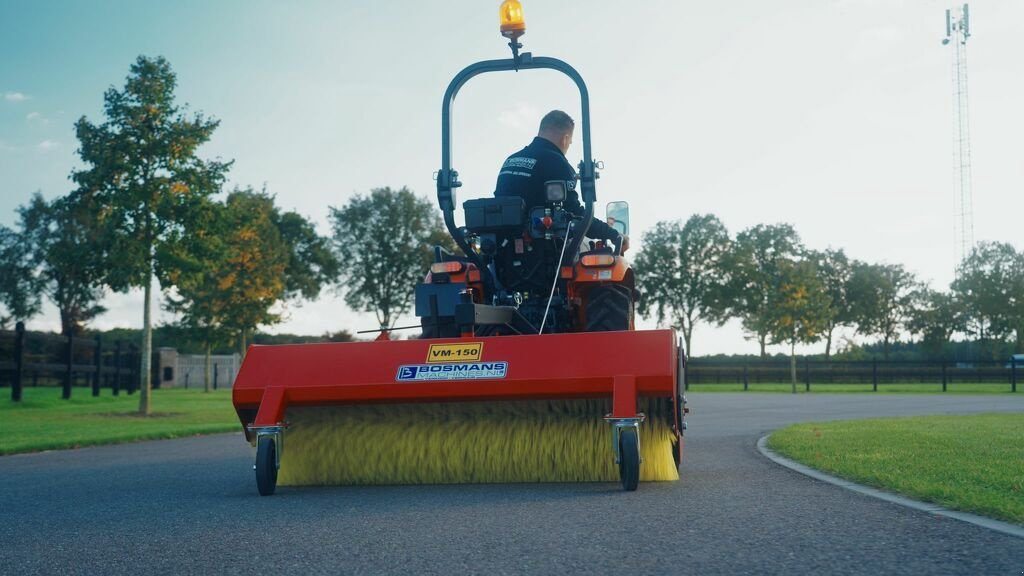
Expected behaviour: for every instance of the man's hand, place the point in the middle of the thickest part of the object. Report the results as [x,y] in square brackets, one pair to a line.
[623,244]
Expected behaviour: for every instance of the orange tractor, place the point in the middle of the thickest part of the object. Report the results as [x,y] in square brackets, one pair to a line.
[528,368]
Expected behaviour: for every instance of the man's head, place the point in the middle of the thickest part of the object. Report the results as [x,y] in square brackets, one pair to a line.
[557,127]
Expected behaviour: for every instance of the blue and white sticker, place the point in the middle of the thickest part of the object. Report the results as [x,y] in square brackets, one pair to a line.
[466,371]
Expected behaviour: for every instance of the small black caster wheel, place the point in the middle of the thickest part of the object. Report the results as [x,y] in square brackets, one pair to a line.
[266,465]
[629,459]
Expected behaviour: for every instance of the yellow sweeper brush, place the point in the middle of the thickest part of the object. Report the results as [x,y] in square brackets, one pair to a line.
[528,368]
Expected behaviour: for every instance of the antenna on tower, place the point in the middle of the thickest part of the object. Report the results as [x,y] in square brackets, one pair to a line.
[958,30]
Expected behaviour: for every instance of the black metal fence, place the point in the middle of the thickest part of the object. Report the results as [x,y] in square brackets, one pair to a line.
[875,373]
[41,359]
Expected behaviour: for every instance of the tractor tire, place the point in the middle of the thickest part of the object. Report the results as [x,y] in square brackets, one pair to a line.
[609,308]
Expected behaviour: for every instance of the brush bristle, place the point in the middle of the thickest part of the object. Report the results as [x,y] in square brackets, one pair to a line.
[466,442]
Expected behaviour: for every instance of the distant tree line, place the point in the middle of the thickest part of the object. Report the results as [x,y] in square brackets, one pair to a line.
[146,207]
[785,293]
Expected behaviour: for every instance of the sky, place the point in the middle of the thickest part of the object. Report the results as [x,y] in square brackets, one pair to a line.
[832,115]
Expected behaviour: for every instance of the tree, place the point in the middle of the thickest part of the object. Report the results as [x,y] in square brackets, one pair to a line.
[800,307]
[193,264]
[19,286]
[936,317]
[990,283]
[384,242]
[141,164]
[311,262]
[252,277]
[883,297]
[752,268]
[64,239]
[834,269]
[681,275]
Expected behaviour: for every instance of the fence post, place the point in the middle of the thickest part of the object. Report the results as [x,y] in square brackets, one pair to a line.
[117,368]
[807,375]
[945,378]
[98,360]
[746,382]
[1013,373]
[874,374]
[68,367]
[19,361]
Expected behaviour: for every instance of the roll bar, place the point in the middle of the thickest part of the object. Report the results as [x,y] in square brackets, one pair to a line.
[448,179]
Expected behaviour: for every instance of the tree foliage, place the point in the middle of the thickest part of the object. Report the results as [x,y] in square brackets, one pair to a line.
[883,297]
[384,241]
[681,274]
[936,316]
[800,307]
[990,284]
[834,270]
[142,167]
[64,239]
[19,285]
[753,270]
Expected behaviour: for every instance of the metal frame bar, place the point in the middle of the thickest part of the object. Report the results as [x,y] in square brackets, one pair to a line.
[447,178]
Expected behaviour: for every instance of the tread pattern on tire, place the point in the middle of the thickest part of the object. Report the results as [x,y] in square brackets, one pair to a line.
[609,308]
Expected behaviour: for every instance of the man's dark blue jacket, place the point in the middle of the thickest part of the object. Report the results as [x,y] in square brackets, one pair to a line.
[524,173]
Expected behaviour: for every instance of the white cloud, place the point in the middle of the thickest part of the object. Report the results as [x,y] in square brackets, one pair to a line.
[33,116]
[523,118]
[47,145]
[16,97]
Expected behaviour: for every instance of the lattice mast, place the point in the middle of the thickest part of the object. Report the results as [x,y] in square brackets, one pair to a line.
[958,30]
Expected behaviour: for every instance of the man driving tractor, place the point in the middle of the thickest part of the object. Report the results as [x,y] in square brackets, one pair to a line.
[524,173]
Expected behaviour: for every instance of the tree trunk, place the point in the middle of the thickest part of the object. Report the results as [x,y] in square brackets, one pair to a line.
[792,364]
[145,362]
[885,347]
[828,343]
[241,343]
[209,369]
[761,340]
[687,334]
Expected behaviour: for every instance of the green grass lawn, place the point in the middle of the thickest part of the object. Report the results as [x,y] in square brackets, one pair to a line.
[969,463]
[903,388]
[42,421]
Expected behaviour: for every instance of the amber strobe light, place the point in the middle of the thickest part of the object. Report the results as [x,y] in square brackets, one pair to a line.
[512,23]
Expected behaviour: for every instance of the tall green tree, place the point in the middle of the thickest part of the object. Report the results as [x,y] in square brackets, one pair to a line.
[936,317]
[990,283]
[194,264]
[681,274]
[753,269]
[834,270]
[312,264]
[19,285]
[883,297]
[252,277]
[384,241]
[800,307]
[143,167]
[65,242]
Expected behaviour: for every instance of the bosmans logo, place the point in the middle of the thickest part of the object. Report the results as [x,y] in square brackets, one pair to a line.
[464,371]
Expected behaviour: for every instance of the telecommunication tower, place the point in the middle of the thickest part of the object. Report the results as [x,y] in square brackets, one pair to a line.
[958,30]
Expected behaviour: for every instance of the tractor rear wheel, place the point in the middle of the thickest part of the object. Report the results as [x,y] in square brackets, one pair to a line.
[609,308]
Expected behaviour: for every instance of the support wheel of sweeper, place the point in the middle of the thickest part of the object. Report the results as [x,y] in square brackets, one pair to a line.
[629,459]
[266,466]
[609,308]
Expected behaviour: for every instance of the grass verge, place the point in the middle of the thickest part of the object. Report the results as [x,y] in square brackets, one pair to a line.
[42,421]
[969,463]
[901,388]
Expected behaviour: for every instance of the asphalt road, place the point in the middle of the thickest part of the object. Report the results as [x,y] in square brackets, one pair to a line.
[189,506]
